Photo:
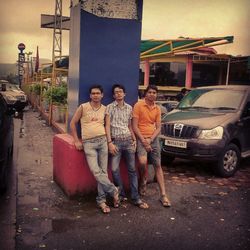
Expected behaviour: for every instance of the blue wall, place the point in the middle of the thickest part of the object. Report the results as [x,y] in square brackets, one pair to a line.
[109,54]
[103,51]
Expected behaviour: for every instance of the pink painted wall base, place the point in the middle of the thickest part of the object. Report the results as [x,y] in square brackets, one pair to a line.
[71,171]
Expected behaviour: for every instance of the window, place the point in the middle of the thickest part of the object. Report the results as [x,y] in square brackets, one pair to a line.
[205,75]
[167,74]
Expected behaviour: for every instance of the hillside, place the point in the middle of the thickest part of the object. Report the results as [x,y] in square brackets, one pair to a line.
[11,68]
[7,69]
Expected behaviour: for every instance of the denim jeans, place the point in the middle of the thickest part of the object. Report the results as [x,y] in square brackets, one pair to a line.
[96,152]
[126,149]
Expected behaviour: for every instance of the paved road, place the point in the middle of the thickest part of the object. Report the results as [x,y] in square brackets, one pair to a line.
[207,212]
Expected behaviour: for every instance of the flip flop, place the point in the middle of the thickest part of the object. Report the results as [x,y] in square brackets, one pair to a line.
[165,201]
[141,204]
[104,208]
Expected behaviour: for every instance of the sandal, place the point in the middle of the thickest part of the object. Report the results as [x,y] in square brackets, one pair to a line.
[142,189]
[123,199]
[116,200]
[165,201]
[141,204]
[104,208]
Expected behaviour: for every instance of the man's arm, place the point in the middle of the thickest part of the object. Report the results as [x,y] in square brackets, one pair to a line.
[75,119]
[157,131]
[144,141]
[157,126]
[112,148]
[136,129]
[131,130]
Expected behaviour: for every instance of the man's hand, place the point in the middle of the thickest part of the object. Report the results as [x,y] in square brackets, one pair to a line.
[112,148]
[146,143]
[78,145]
[134,144]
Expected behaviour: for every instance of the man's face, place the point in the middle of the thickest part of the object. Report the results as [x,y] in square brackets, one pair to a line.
[151,95]
[96,95]
[118,94]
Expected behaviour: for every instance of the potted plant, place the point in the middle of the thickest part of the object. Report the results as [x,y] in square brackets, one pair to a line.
[57,96]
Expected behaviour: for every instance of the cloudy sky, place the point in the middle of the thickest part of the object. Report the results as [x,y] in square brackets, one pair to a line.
[162,19]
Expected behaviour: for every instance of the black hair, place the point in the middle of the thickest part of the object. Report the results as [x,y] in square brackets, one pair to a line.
[183,90]
[97,86]
[118,86]
[154,87]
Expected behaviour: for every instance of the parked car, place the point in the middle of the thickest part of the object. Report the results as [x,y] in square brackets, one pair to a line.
[13,95]
[210,124]
[6,140]
[166,106]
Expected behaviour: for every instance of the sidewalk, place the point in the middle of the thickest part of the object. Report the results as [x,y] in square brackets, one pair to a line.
[46,219]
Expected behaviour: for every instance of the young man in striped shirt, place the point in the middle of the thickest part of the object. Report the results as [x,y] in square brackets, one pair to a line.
[121,140]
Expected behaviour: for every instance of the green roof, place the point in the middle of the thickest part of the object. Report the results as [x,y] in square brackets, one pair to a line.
[152,48]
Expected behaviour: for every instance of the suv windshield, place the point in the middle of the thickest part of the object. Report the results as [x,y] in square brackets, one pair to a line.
[221,99]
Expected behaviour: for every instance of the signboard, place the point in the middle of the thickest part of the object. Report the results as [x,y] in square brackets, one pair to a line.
[21,46]
[21,61]
[47,21]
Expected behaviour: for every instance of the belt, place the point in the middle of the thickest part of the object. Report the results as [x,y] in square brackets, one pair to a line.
[122,138]
[95,138]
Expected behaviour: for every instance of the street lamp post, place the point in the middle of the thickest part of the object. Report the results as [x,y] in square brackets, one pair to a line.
[28,62]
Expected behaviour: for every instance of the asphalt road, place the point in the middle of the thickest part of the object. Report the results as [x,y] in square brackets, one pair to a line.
[207,212]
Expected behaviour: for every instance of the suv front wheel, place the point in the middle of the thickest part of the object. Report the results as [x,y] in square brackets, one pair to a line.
[228,161]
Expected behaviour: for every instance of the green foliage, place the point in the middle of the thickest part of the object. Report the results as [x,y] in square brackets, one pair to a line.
[57,94]
[37,87]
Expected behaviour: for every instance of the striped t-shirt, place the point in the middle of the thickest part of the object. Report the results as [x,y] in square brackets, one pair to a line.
[119,119]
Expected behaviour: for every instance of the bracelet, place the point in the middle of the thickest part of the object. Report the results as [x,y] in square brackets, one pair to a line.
[110,142]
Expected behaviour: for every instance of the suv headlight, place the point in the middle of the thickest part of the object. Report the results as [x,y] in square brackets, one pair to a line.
[212,134]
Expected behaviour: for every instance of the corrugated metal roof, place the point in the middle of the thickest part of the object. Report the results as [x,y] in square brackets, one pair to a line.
[156,48]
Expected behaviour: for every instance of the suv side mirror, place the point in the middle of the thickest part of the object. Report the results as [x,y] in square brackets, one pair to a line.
[3,87]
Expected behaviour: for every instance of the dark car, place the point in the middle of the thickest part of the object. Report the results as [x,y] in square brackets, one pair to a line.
[210,124]
[13,95]
[6,140]
[166,106]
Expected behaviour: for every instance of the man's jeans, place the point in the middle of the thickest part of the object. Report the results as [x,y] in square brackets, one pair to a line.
[96,152]
[125,148]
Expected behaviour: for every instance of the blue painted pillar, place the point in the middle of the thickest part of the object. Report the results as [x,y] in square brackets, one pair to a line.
[104,49]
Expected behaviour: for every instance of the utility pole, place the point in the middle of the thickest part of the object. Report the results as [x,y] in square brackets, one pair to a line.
[57,38]
[56,50]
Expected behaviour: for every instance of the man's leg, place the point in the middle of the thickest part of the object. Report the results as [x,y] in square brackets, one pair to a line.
[155,156]
[97,158]
[142,158]
[129,153]
[115,167]
[91,157]
[102,156]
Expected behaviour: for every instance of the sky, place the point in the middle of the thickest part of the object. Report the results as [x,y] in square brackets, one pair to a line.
[162,19]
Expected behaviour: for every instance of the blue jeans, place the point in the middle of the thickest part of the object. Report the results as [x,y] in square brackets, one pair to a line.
[96,152]
[126,148]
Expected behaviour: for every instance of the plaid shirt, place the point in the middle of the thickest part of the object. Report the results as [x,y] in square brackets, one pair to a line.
[119,119]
